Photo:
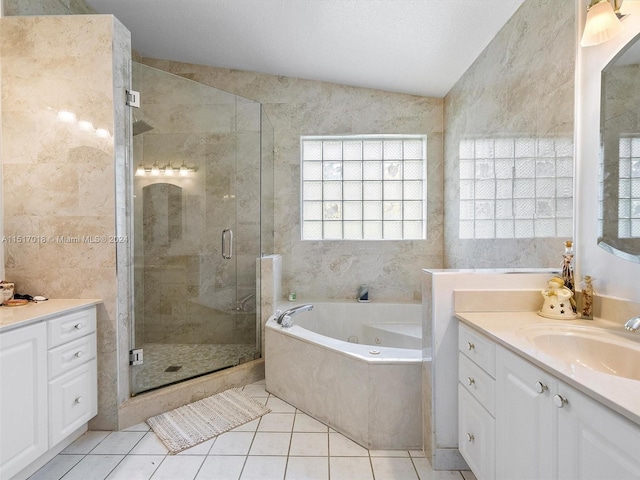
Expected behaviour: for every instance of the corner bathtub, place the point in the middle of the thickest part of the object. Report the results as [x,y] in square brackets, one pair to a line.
[370,392]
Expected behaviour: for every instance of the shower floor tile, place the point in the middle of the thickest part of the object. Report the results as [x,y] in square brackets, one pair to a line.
[250,451]
[161,360]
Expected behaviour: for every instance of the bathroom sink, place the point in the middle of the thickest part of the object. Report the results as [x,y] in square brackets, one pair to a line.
[593,348]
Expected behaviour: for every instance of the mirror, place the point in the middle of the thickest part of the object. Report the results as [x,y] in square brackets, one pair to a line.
[619,221]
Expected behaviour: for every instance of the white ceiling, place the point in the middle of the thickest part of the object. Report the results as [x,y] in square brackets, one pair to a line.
[411,46]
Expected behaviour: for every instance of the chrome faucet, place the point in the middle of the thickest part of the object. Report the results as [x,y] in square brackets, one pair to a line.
[284,318]
[632,324]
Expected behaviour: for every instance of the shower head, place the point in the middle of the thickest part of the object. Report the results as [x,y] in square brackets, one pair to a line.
[140,126]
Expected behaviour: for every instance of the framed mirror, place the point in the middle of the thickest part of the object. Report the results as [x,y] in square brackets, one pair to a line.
[619,220]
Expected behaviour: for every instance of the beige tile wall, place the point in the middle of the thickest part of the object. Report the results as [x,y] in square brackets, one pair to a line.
[521,84]
[302,107]
[58,178]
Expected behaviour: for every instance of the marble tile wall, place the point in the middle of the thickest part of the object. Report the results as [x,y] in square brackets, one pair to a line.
[46,7]
[521,84]
[58,172]
[298,107]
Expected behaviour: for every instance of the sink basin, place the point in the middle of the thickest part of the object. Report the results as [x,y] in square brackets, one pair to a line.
[593,348]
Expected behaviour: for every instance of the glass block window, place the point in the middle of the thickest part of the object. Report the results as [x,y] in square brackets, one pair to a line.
[363,187]
[516,188]
[629,188]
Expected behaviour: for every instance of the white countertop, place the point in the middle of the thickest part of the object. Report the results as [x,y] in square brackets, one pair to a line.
[33,312]
[618,393]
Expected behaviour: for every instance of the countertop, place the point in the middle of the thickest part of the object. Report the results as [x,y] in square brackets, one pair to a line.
[618,393]
[33,312]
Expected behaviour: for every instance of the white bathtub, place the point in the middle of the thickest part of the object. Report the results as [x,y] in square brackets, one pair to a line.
[370,391]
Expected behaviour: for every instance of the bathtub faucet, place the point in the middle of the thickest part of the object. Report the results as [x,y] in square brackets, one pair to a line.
[285,317]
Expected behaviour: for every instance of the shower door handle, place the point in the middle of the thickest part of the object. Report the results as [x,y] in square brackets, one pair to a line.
[227,246]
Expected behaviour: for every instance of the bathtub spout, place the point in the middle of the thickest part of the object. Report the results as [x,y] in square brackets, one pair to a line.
[285,317]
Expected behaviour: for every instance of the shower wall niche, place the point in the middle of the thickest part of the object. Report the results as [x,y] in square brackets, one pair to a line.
[197,190]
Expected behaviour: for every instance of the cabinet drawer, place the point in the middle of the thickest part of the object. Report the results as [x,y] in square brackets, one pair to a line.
[71,354]
[73,400]
[478,348]
[71,326]
[478,383]
[476,435]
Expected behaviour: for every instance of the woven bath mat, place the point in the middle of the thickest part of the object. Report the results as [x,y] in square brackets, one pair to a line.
[199,421]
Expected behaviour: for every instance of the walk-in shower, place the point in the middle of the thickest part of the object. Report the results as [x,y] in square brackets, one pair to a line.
[202,215]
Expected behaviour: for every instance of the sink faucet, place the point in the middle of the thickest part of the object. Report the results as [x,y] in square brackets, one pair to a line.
[632,324]
[285,317]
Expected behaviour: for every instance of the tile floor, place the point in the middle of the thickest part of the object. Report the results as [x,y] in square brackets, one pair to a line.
[285,444]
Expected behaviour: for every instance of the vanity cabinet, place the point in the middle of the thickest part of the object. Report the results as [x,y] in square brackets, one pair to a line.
[544,428]
[476,402]
[23,397]
[48,382]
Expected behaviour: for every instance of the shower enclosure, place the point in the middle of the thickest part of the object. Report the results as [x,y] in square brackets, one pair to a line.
[202,215]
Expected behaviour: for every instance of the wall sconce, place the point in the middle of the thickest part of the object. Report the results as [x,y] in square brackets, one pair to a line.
[603,22]
[167,170]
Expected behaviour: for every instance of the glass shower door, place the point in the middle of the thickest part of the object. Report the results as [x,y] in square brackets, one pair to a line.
[194,285]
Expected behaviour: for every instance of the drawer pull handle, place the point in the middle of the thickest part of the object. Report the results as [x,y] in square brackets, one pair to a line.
[470,437]
[470,346]
[470,381]
[559,401]
[79,400]
[78,326]
[79,354]
[541,387]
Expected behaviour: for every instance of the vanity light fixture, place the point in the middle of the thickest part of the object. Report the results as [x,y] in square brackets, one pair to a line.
[167,170]
[603,22]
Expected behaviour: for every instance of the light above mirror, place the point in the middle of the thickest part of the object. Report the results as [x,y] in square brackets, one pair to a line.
[603,22]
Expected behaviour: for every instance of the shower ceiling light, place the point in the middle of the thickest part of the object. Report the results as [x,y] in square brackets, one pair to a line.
[603,22]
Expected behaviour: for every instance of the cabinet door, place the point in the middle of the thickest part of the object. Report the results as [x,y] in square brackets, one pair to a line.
[23,397]
[476,435]
[72,401]
[594,441]
[525,444]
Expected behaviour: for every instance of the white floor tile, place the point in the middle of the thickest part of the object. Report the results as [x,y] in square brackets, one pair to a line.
[232,443]
[278,406]
[94,467]
[309,444]
[56,467]
[307,468]
[200,449]
[87,442]
[267,443]
[175,467]
[150,445]
[140,427]
[276,422]
[118,443]
[341,446]
[251,426]
[393,468]
[264,468]
[350,468]
[221,467]
[425,472]
[305,423]
[255,390]
[136,467]
[389,453]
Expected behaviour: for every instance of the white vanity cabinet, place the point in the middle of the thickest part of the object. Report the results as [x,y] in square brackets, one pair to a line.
[48,386]
[23,397]
[476,402]
[546,429]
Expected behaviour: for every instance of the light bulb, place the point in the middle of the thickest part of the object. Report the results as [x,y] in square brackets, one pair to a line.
[168,170]
[155,170]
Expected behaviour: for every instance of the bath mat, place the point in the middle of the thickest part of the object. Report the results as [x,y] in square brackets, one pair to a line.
[199,421]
